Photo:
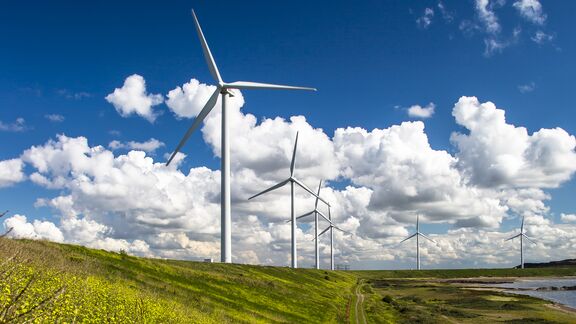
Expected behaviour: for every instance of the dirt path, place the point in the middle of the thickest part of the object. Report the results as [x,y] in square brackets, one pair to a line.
[359,307]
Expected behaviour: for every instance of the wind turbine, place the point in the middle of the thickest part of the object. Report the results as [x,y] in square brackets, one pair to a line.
[330,227]
[522,236]
[315,212]
[292,180]
[417,235]
[223,89]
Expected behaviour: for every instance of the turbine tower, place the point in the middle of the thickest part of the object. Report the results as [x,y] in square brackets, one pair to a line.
[315,212]
[522,236]
[223,89]
[417,235]
[330,227]
[292,180]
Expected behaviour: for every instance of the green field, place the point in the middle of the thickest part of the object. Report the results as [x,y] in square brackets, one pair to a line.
[49,282]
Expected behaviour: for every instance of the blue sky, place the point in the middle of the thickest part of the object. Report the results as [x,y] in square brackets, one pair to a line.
[370,61]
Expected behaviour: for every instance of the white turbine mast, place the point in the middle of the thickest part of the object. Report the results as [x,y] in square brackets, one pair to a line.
[330,227]
[417,235]
[224,89]
[315,212]
[522,236]
[292,180]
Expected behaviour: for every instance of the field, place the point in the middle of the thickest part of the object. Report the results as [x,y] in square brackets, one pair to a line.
[427,296]
[45,281]
[48,282]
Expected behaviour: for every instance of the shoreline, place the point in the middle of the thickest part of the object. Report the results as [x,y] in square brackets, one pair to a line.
[479,283]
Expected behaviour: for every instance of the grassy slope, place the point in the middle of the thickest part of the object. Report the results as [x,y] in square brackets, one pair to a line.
[95,286]
[191,291]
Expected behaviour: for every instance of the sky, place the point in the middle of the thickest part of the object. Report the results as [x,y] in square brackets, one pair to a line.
[459,111]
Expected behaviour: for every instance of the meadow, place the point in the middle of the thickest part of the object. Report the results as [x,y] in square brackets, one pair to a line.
[48,282]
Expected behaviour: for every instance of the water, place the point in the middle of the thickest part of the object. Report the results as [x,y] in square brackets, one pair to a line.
[565,297]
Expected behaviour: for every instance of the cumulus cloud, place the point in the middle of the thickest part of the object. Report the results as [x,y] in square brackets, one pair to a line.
[18,126]
[526,88]
[36,230]
[496,153]
[568,218]
[187,101]
[132,98]
[421,112]
[377,180]
[425,20]
[541,37]
[55,118]
[11,172]
[487,16]
[531,10]
[149,146]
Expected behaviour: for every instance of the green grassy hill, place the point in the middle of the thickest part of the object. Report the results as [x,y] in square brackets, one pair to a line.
[47,281]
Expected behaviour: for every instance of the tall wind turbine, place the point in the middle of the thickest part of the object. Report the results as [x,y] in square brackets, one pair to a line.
[316,212]
[292,180]
[223,89]
[522,236]
[417,235]
[330,227]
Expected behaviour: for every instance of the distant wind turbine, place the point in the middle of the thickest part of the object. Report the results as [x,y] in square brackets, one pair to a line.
[223,89]
[315,212]
[292,180]
[417,235]
[330,227]
[522,236]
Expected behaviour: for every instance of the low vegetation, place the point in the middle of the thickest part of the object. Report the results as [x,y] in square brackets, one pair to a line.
[42,281]
[48,282]
[426,297]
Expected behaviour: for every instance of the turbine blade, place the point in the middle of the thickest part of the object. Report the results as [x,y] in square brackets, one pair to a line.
[409,237]
[324,216]
[341,230]
[309,190]
[274,187]
[259,85]
[429,239]
[293,162]
[207,108]
[324,231]
[513,237]
[305,215]
[319,187]
[207,54]
[529,239]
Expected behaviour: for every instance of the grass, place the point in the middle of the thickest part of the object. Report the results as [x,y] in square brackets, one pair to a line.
[83,284]
[49,282]
[424,300]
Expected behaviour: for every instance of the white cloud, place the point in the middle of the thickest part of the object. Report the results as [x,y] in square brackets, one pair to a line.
[55,118]
[422,112]
[568,218]
[541,37]
[187,101]
[487,16]
[425,20]
[150,146]
[408,176]
[18,126]
[531,10]
[21,228]
[526,88]
[132,98]
[11,172]
[496,153]
[129,201]
[493,46]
